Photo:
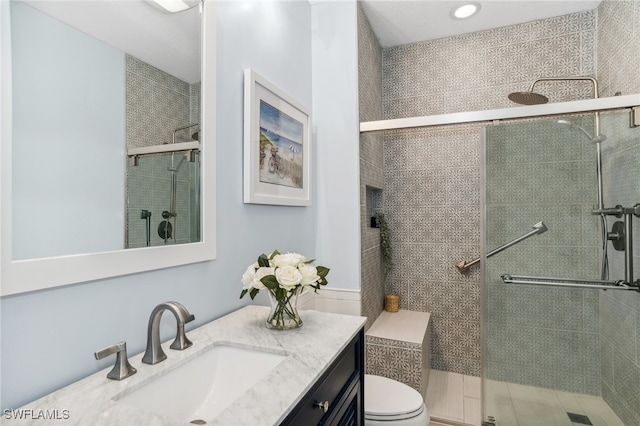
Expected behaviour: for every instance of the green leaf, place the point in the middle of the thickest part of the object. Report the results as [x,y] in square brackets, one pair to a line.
[242,293]
[281,294]
[322,271]
[263,261]
[274,254]
[270,282]
[254,292]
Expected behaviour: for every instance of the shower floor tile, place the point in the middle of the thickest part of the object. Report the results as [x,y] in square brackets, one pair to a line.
[454,400]
[519,405]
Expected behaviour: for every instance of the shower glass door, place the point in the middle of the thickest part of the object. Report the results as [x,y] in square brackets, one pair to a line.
[548,351]
[163,199]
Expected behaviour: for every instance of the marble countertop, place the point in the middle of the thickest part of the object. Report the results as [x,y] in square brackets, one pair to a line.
[310,351]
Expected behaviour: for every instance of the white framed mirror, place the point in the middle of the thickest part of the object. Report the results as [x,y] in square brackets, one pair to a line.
[33,239]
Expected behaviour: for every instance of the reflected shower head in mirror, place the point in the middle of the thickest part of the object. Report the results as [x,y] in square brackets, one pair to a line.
[528,98]
[571,125]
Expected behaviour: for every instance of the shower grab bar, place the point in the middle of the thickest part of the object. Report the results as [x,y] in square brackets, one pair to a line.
[538,228]
[564,282]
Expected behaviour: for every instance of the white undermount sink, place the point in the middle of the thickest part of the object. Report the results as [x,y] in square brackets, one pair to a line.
[205,385]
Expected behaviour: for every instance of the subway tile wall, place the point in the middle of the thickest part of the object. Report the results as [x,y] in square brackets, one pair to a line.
[158,103]
[371,170]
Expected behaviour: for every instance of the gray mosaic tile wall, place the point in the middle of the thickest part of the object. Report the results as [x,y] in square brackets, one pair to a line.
[477,71]
[432,203]
[542,336]
[371,170]
[405,362]
[618,42]
[619,71]
[158,103]
[433,175]
[620,312]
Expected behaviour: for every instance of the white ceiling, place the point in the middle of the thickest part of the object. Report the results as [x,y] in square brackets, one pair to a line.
[170,42]
[397,22]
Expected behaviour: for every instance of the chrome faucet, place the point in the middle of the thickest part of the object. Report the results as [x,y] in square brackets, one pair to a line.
[154,353]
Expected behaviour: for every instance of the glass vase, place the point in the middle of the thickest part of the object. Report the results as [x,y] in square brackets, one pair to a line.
[284,312]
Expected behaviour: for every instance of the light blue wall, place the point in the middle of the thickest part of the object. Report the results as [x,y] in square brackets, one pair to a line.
[48,337]
[68,121]
[336,135]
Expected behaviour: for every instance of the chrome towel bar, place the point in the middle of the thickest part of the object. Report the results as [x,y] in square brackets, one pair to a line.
[564,282]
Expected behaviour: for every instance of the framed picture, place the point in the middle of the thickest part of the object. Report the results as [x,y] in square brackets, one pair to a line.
[277,145]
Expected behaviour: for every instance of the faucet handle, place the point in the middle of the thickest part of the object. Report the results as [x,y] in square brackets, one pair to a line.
[122,369]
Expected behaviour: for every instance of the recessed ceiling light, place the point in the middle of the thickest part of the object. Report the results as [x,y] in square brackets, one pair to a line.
[173,6]
[465,10]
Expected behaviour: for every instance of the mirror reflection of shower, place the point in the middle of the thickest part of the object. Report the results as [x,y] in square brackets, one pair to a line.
[166,229]
[163,182]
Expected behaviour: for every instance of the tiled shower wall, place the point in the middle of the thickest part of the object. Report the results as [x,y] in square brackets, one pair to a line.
[432,201]
[619,71]
[477,71]
[157,104]
[620,311]
[534,335]
[432,175]
[437,77]
[618,60]
[371,170]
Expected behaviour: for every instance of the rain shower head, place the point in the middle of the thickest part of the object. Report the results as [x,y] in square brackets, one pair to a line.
[532,98]
[528,98]
[571,125]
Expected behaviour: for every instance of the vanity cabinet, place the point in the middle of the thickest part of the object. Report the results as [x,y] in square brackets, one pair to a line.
[337,398]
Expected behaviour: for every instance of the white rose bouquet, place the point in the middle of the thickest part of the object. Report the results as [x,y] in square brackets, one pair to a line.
[284,276]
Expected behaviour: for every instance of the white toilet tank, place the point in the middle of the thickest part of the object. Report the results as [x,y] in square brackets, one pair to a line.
[389,402]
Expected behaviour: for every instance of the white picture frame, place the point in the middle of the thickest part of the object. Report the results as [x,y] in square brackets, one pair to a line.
[277,145]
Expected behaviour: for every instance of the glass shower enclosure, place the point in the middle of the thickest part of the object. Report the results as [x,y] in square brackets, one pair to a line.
[163,199]
[557,351]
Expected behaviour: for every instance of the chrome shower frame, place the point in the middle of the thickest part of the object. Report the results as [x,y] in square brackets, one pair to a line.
[172,212]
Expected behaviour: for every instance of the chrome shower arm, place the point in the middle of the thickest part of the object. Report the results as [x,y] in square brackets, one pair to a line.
[173,136]
[538,228]
[578,78]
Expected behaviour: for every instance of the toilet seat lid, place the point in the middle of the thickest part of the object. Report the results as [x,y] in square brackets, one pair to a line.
[388,398]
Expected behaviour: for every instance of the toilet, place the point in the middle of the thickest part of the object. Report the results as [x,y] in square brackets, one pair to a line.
[389,402]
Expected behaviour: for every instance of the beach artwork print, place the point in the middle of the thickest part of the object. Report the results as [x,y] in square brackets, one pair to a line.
[281,138]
